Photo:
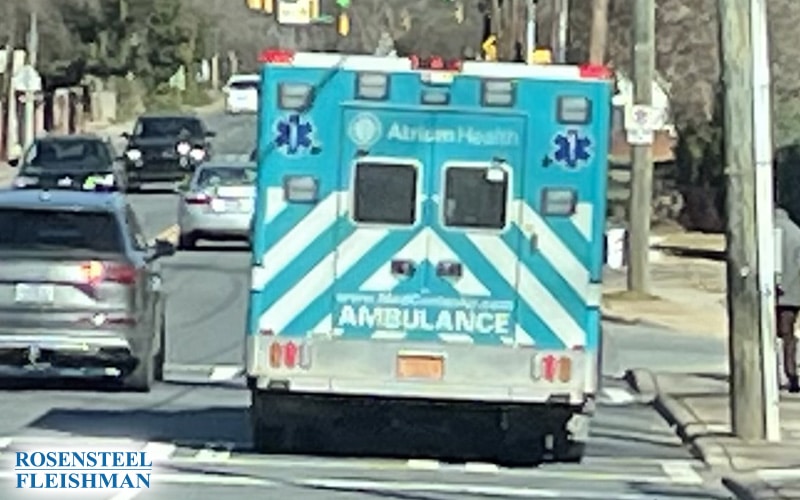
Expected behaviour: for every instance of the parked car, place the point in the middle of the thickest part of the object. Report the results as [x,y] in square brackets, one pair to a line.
[80,289]
[217,204]
[241,94]
[70,162]
[165,148]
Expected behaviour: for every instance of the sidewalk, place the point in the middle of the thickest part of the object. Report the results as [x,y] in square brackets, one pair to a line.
[690,298]
[697,405]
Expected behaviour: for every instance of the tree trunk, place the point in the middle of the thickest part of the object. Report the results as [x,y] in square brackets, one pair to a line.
[599,35]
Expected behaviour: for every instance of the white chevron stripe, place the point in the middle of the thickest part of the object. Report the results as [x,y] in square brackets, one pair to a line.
[299,237]
[275,203]
[426,245]
[522,338]
[320,278]
[325,326]
[531,291]
[582,219]
[557,253]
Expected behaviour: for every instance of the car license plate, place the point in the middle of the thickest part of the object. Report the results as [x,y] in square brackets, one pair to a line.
[34,293]
[420,367]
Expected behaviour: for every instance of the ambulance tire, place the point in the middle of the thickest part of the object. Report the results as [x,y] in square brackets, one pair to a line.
[270,434]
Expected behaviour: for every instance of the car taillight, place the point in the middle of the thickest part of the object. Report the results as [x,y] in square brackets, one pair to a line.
[94,272]
[197,199]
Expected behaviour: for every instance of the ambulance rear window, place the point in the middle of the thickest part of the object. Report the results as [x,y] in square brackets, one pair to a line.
[475,198]
[385,193]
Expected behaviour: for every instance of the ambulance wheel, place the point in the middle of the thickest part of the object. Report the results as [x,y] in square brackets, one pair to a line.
[270,435]
[187,242]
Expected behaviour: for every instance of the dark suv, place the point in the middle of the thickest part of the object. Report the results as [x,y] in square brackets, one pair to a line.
[70,162]
[165,148]
[80,289]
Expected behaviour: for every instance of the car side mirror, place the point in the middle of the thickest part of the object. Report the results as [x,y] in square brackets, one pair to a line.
[211,134]
[163,248]
[13,162]
[125,135]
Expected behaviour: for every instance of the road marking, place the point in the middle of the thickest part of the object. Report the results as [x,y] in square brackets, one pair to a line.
[170,234]
[159,452]
[681,472]
[481,468]
[5,442]
[225,372]
[778,474]
[616,396]
[464,489]
[419,464]
[212,456]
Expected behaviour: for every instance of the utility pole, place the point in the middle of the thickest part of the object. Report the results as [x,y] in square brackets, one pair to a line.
[745,351]
[644,34]
[765,220]
[599,35]
[560,30]
[30,94]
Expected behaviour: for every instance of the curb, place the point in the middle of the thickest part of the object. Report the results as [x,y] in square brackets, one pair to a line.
[694,433]
[620,320]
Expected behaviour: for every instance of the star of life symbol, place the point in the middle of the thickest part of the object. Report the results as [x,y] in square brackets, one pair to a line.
[572,148]
[294,134]
[365,129]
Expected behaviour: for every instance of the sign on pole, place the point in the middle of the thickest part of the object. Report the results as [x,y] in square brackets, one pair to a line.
[27,79]
[641,122]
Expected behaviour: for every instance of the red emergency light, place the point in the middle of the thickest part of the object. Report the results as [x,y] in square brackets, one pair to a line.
[595,71]
[435,63]
[275,56]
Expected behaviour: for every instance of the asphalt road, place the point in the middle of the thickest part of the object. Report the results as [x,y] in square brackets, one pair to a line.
[196,423]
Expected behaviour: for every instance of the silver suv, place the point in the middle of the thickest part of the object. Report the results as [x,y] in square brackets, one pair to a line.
[80,289]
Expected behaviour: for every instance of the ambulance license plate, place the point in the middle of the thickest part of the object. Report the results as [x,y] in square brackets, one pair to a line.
[420,367]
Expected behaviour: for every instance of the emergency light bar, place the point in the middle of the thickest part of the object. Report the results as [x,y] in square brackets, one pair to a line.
[508,70]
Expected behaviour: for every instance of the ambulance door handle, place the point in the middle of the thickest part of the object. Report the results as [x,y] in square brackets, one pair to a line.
[449,269]
[403,267]
[534,242]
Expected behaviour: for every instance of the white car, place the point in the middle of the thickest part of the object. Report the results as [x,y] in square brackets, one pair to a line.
[242,94]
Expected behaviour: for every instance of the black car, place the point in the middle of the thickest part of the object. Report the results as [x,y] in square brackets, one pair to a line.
[70,162]
[164,148]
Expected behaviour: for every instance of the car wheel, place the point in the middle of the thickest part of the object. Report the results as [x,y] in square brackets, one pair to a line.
[187,242]
[142,378]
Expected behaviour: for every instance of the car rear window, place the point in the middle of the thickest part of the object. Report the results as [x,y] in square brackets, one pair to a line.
[31,230]
[70,154]
[168,127]
[226,176]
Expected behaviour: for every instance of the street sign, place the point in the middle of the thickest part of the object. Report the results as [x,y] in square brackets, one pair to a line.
[295,12]
[641,122]
[27,79]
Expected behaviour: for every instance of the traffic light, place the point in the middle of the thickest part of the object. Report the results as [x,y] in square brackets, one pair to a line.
[489,47]
[343,24]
